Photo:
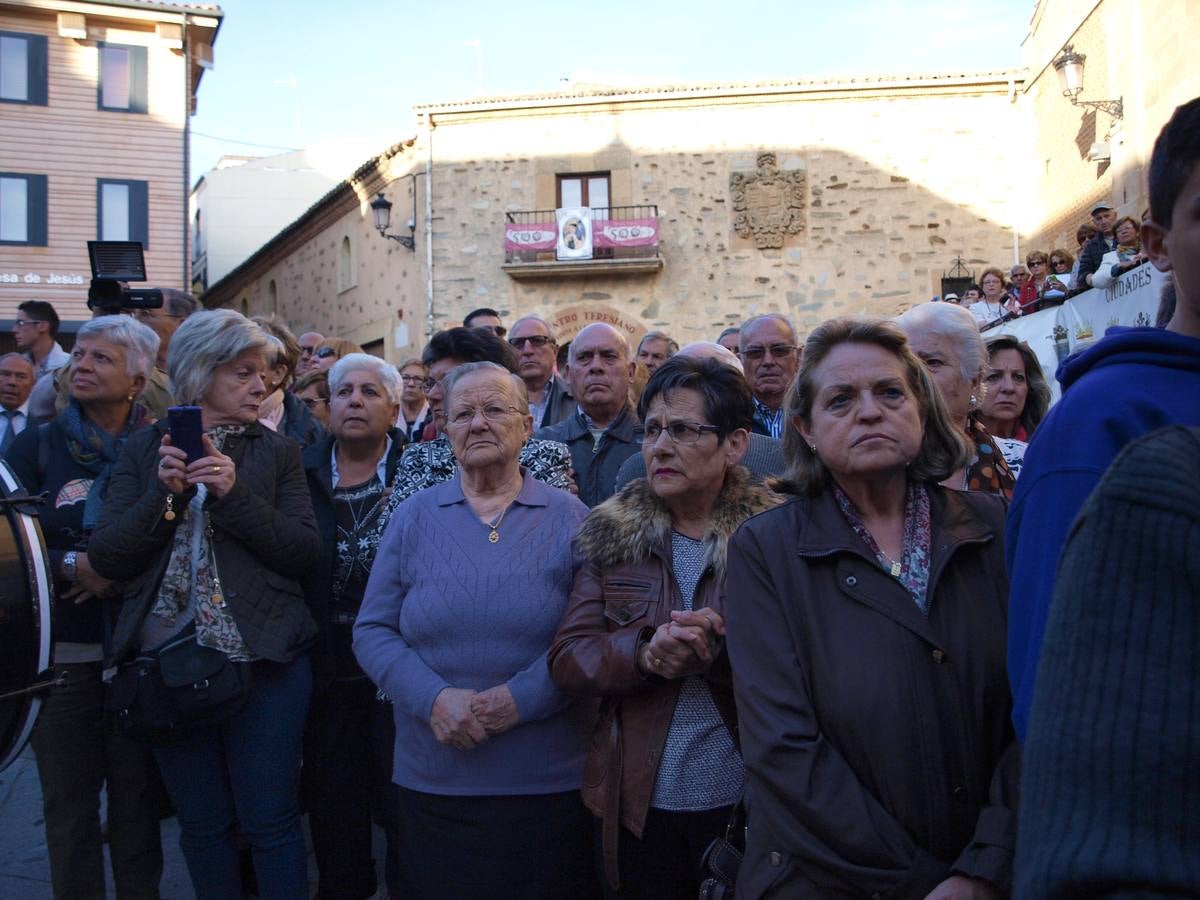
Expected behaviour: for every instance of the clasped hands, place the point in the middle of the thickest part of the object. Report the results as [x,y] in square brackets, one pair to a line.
[684,646]
[464,718]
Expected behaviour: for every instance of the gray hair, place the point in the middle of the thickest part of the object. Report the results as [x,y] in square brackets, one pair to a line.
[140,342]
[15,355]
[454,376]
[672,344]
[732,329]
[754,320]
[179,303]
[549,330]
[954,323]
[205,341]
[384,371]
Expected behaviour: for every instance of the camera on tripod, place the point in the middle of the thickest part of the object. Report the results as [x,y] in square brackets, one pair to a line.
[114,264]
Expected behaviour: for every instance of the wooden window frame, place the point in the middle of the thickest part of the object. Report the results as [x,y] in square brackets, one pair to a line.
[583,178]
[37,77]
[36,210]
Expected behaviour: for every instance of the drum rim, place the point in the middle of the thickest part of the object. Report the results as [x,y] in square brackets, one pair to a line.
[34,547]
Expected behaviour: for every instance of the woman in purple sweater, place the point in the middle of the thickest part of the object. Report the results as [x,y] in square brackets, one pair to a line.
[468,586]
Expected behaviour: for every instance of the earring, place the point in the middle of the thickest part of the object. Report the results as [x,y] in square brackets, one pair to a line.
[974,401]
[812,448]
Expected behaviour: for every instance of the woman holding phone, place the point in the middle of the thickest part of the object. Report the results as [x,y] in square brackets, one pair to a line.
[78,750]
[210,548]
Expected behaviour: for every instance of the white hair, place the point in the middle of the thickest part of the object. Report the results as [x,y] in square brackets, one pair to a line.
[711,350]
[384,371]
[955,323]
[140,342]
[754,320]
[540,321]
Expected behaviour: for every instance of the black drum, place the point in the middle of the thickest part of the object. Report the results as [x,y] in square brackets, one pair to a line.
[25,601]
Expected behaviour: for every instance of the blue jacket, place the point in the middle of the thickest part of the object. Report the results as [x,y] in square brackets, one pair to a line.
[1132,382]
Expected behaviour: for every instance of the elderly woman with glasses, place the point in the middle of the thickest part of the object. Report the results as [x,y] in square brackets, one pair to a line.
[866,631]
[348,742]
[433,462]
[644,632]
[415,414]
[947,341]
[995,303]
[78,748]
[470,581]
[210,549]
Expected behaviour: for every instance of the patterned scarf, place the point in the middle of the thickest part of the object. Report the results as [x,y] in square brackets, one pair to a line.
[913,571]
[988,472]
[182,584]
[95,450]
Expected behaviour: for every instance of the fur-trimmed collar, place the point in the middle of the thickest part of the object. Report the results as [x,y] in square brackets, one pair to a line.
[633,523]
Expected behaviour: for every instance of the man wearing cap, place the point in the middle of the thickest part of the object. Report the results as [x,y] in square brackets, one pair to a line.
[951,298]
[1104,217]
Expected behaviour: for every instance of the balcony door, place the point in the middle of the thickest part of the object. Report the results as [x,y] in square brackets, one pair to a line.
[585,189]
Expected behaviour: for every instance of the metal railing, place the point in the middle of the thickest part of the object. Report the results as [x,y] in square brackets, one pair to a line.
[610,225]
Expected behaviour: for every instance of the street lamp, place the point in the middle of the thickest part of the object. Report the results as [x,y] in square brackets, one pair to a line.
[1069,66]
[381,209]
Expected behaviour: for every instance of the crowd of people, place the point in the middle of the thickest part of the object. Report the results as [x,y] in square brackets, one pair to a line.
[1107,247]
[553,618]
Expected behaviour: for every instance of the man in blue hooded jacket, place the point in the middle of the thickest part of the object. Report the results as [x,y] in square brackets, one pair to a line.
[1132,382]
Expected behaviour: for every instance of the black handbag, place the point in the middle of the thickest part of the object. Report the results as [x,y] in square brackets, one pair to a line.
[179,689]
[723,857]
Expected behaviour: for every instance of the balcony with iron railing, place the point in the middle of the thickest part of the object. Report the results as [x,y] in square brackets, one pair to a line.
[623,239]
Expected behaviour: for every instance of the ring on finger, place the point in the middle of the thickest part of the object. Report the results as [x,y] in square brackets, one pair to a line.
[657,663]
[216,468]
[162,463]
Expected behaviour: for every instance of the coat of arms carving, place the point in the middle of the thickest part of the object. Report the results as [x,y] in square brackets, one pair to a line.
[768,204]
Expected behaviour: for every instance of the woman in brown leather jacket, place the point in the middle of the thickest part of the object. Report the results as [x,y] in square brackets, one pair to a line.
[644,632]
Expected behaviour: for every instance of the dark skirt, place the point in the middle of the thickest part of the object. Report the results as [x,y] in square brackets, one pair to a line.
[529,847]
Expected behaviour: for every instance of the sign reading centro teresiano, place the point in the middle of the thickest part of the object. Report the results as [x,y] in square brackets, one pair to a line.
[570,320]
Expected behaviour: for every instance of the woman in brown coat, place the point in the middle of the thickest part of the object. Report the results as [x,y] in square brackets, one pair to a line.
[866,631]
[643,631]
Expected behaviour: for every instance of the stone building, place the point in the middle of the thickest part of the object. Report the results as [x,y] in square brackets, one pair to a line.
[710,203]
[94,102]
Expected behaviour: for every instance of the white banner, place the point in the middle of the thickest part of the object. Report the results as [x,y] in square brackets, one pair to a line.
[1056,333]
[574,233]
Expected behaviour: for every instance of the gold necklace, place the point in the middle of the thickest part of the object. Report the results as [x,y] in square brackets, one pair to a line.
[494,526]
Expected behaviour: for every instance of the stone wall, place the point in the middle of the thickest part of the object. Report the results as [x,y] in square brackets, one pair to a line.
[900,181]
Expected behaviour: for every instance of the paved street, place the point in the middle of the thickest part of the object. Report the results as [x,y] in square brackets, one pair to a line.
[24,866]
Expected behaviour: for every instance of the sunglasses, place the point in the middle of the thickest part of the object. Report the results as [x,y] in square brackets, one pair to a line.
[325,353]
[537,340]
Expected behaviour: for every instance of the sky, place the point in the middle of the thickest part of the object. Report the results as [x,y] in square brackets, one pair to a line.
[345,75]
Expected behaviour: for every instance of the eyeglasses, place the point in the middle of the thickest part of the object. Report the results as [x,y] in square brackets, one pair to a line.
[311,402]
[497,330]
[491,412]
[538,341]
[308,351]
[325,353]
[779,351]
[1059,262]
[149,315]
[678,432]
[21,323]
[1037,262]
[413,379]
[428,384]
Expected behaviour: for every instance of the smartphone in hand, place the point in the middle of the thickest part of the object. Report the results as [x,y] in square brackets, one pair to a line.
[186,430]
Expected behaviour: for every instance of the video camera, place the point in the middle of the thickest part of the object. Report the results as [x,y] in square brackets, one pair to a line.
[113,264]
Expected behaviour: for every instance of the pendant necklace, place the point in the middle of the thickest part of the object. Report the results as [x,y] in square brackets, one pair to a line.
[494,526]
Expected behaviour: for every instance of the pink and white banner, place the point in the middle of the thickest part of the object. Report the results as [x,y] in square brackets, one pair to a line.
[530,236]
[625,232]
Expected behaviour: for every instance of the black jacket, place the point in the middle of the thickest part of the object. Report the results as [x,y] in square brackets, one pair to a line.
[264,538]
[1091,257]
[319,471]
[299,423]
[596,465]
